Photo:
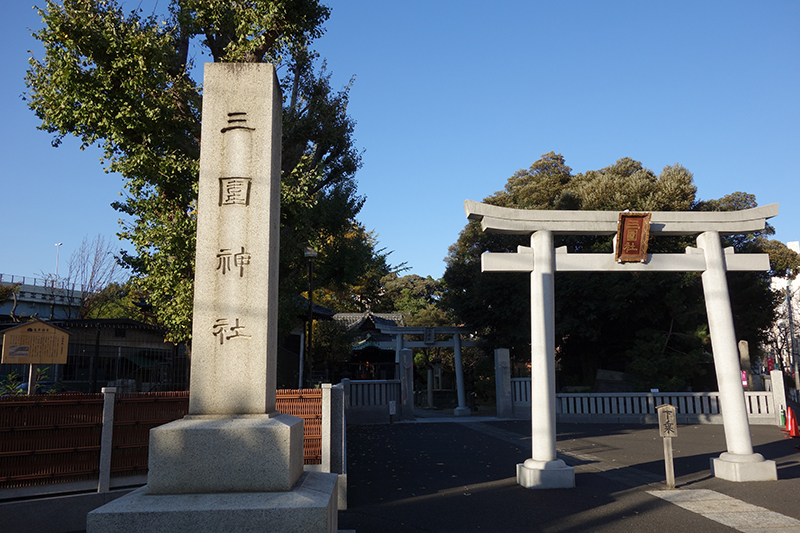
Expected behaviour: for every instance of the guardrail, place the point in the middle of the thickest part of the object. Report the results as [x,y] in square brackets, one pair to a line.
[51,283]
[629,407]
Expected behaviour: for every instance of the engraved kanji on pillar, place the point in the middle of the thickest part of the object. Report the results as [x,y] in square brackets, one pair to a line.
[235,309]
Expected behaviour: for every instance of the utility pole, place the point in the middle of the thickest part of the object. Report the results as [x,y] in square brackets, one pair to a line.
[792,344]
[310,254]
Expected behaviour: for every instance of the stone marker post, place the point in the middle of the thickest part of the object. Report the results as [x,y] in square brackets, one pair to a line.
[668,428]
[234,463]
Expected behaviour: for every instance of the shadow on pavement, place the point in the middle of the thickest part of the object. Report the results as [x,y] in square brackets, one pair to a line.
[454,476]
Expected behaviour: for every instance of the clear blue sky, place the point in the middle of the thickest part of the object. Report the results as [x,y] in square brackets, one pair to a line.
[452,97]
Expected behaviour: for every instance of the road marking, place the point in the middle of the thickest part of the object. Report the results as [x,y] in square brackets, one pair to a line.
[729,511]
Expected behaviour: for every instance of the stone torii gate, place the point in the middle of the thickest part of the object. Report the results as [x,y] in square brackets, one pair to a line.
[429,341]
[544,469]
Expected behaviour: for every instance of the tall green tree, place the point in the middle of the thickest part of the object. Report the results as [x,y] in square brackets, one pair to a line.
[360,288]
[652,325]
[125,81]
[417,298]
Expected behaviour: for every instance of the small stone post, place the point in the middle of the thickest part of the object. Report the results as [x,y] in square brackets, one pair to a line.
[778,394]
[106,439]
[334,458]
[668,428]
[502,379]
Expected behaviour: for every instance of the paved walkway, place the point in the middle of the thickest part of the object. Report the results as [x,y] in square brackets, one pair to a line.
[458,474]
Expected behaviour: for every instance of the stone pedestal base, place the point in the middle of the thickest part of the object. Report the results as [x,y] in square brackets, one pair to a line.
[732,467]
[545,475]
[212,454]
[462,411]
[310,506]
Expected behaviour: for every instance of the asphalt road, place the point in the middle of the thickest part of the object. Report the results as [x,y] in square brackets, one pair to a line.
[452,475]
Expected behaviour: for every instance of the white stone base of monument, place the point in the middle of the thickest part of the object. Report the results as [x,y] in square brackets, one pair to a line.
[545,475]
[310,506]
[733,467]
[212,454]
[462,411]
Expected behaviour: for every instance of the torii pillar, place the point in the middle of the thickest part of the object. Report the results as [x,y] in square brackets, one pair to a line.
[544,469]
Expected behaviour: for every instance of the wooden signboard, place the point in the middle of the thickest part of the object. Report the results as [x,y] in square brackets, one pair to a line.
[35,343]
[633,234]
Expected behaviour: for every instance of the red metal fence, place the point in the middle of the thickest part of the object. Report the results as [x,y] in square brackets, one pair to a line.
[56,438]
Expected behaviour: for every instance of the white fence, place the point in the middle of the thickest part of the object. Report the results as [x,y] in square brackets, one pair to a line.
[633,407]
[368,401]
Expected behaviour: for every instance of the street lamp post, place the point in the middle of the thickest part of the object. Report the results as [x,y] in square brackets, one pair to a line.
[58,248]
[52,309]
[55,279]
[311,254]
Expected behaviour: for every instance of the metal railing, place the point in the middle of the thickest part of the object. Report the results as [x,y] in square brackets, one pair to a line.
[37,282]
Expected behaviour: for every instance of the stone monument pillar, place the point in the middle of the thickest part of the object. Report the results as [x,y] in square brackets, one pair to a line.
[234,463]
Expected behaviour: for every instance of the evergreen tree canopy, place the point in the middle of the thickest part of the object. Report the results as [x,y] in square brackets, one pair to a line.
[652,325]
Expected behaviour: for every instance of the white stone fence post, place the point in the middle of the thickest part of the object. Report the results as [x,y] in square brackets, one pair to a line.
[778,393]
[334,437]
[106,439]
[502,381]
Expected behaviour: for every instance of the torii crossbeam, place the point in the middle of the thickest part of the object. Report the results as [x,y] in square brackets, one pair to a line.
[544,469]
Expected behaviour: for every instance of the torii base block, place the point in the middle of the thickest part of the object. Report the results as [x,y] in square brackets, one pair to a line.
[739,468]
[545,475]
